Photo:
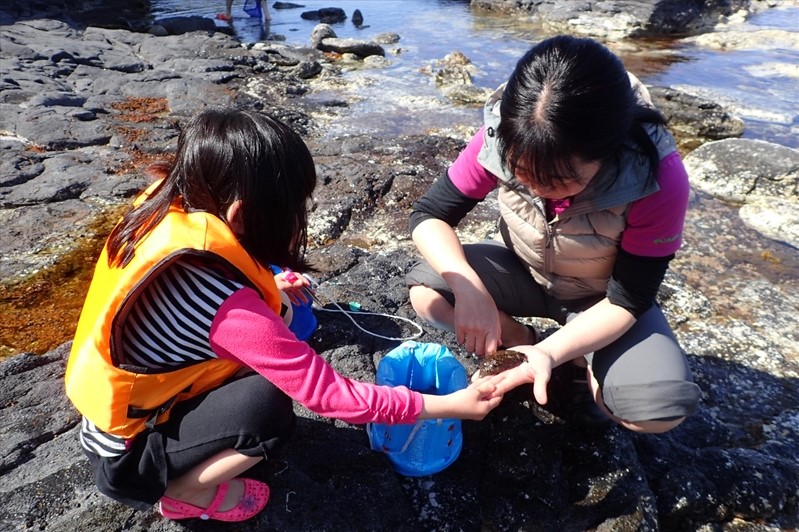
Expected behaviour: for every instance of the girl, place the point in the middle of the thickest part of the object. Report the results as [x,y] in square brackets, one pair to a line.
[183,307]
[592,196]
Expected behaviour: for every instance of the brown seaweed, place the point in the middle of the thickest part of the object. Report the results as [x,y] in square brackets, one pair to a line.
[500,361]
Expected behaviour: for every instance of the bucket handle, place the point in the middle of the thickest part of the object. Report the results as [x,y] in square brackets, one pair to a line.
[416,428]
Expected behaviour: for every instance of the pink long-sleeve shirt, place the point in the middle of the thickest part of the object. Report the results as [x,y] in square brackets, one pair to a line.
[247,331]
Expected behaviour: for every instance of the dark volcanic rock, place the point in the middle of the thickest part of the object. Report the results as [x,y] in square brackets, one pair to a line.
[326,15]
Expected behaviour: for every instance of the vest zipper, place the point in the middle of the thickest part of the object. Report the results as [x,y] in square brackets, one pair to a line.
[547,259]
[539,204]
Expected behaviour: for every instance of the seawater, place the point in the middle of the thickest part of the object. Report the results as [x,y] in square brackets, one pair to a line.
[757,85]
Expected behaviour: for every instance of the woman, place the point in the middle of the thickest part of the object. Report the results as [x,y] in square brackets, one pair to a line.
[592,196]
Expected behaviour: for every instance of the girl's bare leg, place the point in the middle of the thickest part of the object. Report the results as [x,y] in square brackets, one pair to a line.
[198,486]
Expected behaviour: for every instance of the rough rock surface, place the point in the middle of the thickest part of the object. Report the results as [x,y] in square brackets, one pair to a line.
[83,108]
[629,18]
[762,176]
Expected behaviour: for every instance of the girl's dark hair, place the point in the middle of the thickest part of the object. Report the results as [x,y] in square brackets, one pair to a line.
[569,97]
[227,155]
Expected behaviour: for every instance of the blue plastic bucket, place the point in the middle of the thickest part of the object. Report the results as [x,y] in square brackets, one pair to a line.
[430,445]
[303,320]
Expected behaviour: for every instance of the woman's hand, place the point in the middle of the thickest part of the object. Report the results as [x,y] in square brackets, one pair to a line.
[473,402]
[297,287]
[476,319]
[537,369]
[476,324]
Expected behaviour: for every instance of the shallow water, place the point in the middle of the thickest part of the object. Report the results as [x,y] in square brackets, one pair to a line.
[758,85]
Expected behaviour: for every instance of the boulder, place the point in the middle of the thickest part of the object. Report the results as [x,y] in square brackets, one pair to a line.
[630,18]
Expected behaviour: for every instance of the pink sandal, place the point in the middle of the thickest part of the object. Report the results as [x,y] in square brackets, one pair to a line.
[255,497]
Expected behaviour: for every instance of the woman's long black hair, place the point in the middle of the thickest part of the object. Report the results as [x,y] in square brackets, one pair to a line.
[567,97]
[227,155]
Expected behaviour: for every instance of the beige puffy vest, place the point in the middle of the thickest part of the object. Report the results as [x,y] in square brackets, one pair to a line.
[571,256]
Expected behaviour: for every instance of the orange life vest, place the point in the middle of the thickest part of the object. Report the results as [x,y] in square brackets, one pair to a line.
[123,401]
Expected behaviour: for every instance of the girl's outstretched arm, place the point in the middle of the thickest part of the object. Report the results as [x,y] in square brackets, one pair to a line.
[473,402]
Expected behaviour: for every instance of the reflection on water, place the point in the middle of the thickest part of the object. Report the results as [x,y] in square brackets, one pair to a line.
[758,85]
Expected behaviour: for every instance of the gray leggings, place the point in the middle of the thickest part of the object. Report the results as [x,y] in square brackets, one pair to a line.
[644,375]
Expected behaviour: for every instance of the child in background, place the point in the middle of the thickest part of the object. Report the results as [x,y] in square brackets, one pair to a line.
[227,16]
[182,367]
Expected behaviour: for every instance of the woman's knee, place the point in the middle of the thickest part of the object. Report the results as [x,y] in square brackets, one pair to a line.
[431,306]
[654,407]
[420,297]
[651,427]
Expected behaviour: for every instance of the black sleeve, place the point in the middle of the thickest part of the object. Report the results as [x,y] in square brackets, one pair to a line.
[442,201]
[636,280]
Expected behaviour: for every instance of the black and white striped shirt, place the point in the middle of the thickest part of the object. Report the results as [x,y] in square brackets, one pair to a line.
[168,327]
[170,322]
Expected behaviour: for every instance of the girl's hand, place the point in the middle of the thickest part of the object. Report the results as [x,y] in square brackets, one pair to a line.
[296,286]
[473,402]
[537,369]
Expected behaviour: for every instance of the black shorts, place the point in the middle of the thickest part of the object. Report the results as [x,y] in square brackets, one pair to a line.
[644,375]
[248,414]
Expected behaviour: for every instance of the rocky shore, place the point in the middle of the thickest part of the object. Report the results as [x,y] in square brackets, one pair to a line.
[92,91]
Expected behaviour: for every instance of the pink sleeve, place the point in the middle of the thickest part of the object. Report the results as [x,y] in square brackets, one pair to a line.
[246,330]
[655,223]
[469,176]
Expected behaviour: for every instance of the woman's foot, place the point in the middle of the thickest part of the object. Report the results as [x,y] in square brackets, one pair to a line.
[571,399]
[518,334]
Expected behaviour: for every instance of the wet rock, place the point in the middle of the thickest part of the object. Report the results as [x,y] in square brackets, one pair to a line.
[181,25]
[306,63]
[308,69]
[286,5]
[326,15]
[453,77]
[635,18]
[748,40]
[693,119]
[352,46]
[762,176]
[320,32]
[357,19]
[324,38]
[35,236]
[739,169]
[387,38]
[375,61]
[773,217]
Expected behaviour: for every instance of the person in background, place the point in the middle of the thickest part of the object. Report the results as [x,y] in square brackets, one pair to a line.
[227,16]
[182,366]
[592,197]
